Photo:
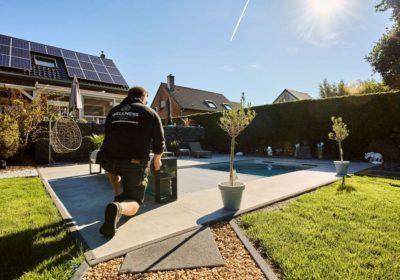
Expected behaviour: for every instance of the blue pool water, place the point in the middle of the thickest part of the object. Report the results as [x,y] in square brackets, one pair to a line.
[257,168]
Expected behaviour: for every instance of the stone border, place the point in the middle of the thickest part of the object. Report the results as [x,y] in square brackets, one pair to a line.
[80,272]
[262,264]
[286,197]
[71,227]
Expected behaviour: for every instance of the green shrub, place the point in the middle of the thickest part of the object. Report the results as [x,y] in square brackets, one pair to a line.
[82,120]
[9,136]
[28,115]
[95,140]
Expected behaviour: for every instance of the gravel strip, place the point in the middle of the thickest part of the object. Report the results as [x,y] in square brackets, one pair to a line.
[238,263]
[18,173]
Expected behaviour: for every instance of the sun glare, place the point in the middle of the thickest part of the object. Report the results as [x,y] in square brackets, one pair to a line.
[326,8]
[321,21]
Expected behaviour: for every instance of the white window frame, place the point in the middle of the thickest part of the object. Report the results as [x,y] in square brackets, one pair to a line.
[163,104]
[227,106]
[60,106]
[210,104]
[38,57]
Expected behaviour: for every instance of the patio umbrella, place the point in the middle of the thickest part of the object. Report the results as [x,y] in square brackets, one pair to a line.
[75,100]
[169,112]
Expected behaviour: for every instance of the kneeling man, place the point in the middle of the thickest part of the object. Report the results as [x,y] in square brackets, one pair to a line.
[130,129]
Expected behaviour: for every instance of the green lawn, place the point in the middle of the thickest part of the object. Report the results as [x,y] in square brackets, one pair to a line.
[34,244]
[333,233]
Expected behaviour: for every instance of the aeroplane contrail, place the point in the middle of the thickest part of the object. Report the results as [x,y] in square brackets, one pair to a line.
[240,19]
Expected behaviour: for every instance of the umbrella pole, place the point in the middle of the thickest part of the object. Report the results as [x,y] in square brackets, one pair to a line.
[50,159]
[49,140]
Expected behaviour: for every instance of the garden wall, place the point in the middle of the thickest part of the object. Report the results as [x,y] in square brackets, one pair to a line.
[184,134]
[181,133]
[372,120]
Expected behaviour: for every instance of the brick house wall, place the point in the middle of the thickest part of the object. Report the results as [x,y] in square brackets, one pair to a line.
[162,95]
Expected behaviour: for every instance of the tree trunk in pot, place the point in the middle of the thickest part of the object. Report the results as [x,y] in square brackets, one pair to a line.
[231,161]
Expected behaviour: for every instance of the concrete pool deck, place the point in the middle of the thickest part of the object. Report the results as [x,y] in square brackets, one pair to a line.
[83,198]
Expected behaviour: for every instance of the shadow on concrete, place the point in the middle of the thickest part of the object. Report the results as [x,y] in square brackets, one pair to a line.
[85,197]
[218,215]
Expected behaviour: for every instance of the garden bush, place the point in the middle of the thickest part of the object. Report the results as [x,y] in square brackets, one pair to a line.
[9,136]
[95,141]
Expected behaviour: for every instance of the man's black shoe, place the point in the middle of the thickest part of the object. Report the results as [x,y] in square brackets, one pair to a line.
[112,215]
[119,198]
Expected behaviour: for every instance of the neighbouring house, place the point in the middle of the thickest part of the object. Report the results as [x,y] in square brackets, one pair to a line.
[32,67]
[187,101]
[289,95]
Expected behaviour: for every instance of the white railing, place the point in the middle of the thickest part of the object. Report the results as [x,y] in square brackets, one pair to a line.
[95,119]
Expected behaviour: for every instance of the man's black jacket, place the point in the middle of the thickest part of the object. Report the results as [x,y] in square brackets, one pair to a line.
[130,129]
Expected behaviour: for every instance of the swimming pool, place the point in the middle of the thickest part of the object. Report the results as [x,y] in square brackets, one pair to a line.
[258,168]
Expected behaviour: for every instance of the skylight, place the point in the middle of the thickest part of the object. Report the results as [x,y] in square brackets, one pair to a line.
[46,62]
[227,106]
[210,104]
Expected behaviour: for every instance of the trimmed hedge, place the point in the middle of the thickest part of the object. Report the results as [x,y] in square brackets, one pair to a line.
[370,118]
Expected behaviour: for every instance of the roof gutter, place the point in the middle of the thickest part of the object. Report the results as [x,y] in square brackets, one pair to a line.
[20,88]
[58,82]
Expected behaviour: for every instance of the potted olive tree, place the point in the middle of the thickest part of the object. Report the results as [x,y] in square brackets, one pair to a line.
[233,122]
[339,133]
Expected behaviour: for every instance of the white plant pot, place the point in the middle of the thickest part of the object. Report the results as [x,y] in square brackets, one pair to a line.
[341,167]
[231,195]
[93,155]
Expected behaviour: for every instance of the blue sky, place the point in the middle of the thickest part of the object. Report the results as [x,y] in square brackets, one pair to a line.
[279,44]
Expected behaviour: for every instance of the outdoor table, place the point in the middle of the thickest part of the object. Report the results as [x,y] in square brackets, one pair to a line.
[183,152]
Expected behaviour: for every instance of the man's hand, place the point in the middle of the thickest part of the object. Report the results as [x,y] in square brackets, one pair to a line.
[157,162]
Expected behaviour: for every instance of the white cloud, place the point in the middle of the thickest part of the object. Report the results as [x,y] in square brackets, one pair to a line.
[292,49]
[255,65]
[228,68]
[325,39]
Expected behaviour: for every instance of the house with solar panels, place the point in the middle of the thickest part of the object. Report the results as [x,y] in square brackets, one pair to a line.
[32,67]
[183,101]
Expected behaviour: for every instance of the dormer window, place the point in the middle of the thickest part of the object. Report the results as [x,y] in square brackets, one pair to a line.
[45,61]
[227,106]
[210,104]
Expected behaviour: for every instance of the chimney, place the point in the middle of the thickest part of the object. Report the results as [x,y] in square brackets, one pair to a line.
[171,82]
[102,55]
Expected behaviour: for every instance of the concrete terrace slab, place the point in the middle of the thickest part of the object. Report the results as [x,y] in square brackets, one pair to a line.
[193,249]
[199,202]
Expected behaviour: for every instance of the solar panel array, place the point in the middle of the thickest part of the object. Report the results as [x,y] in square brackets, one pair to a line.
[16,53]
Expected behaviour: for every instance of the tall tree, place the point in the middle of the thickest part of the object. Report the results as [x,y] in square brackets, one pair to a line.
[341,89]
[385,56]
[327,90]
[390,4]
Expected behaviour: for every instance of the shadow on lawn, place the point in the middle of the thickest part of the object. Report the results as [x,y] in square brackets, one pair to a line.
[343,187]
[26,250]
